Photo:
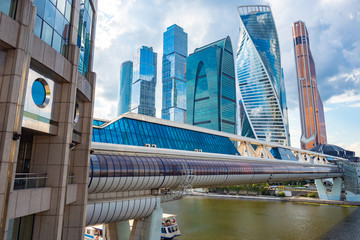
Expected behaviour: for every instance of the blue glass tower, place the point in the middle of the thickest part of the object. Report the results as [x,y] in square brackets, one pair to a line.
[144,82]
[211,98]
[173,74]
[126,74]
[258,68]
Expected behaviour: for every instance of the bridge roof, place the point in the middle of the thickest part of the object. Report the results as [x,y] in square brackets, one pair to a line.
[104,129]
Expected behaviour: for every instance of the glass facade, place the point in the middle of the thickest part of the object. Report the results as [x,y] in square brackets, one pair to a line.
[211,98]
[144,82]
[84,35]
[173,74]
[258,69]
[313,131]
[135,132]
[8,7]
[52,23]
[126,74]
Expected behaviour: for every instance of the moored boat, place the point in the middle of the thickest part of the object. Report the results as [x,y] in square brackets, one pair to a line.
[169,227]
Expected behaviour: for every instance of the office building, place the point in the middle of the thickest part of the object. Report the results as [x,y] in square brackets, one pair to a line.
[258,68]
[46,105]
[313,131]
[126,74]
[173,74]
[210,77]
[144,82]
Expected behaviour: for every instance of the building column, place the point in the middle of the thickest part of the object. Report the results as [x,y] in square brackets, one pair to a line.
[148,228]
[14,63]
[335,193]
[118,231]
[51,155]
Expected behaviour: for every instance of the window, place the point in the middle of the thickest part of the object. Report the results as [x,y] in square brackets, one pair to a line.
[84,35]
[53,23]
[8,7]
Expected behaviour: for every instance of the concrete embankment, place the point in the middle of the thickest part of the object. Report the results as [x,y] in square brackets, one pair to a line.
[284,199]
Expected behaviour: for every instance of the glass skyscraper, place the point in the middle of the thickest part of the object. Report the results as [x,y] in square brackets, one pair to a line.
[263,112]
[126,74]
[211,97]
[313,131]
[173,74]
[144,82]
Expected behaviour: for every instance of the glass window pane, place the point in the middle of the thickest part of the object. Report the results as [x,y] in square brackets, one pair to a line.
[59,22]
[46,33]
[49,16]
[68,11]
[61,5]
[38,25]
[57,42]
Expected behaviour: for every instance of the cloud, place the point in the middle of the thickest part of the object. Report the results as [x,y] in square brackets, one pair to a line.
[355,147]
[353,76]
[355,105]
[348,96]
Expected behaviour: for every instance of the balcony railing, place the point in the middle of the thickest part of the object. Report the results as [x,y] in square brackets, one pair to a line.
[30,180]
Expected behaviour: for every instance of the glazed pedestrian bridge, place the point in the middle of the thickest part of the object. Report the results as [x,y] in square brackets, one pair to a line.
[139,161]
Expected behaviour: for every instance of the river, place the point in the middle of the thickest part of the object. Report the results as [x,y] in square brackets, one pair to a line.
[225,219]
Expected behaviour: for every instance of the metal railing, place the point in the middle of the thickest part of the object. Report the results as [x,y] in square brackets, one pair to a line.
[30,180]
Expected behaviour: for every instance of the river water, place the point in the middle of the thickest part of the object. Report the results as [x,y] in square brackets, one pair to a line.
[213,218]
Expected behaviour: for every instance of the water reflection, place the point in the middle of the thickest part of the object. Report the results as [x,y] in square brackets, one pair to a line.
[210,218]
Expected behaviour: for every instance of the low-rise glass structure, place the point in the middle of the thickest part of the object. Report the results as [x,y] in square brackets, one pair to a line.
[132,131]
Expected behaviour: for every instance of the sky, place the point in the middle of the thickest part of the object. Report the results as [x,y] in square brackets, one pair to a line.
[123,26]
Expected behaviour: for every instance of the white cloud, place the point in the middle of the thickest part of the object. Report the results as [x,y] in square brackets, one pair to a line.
[355,105]
[355,147]
[353,76]
[348,96]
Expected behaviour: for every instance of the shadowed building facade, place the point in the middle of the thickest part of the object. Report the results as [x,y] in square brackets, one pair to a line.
[46,105]
[263,110]
[173,74]
[313,130]
[124,100]
[210,76]
[144,82]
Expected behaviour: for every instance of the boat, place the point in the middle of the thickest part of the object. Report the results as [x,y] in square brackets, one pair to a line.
[169,227]
[94,233]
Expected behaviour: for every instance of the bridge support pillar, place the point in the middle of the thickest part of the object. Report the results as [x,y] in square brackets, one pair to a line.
[352,197]
[148,228]
[335,193]
[118,231]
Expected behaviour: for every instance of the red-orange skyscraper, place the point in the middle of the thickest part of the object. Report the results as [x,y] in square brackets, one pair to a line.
[311,107]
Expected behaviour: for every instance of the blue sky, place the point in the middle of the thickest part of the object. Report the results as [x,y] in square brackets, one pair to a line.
[334,32]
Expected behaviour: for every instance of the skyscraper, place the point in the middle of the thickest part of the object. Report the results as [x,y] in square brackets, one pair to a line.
[258,67]
[210,76]
[126,74]
[173,74]
[144,82]
[313,131]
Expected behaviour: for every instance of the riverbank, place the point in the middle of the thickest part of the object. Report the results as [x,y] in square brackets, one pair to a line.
[283,199]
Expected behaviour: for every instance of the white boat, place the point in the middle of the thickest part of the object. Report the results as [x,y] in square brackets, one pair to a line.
[94,233]
[169,227]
